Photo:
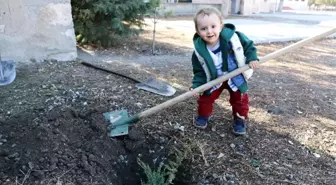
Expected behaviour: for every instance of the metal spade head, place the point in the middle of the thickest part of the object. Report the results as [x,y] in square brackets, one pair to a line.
[157,87]
[7,72]
[119,122]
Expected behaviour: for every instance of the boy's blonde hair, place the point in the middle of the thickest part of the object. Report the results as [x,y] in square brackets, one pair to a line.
[207,11]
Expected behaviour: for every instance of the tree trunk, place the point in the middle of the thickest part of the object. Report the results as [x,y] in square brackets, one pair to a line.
[280,6]
[154,31]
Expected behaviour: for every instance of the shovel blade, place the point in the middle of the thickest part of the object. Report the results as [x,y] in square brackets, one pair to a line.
[7,72]
[119,121]
[119,130]
[156,86]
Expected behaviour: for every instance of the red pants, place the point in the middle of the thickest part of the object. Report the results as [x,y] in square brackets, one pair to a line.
[238,101]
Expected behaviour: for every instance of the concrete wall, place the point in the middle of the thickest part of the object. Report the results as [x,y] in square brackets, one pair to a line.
[207,1]
[186,8]
[260,6]
[246,7]
[37,29]
[296,4]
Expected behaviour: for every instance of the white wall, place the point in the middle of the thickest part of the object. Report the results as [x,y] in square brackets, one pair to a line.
[296,4]
[186,8]
[37,29]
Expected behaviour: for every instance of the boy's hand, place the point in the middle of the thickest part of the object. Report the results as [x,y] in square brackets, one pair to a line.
[253,64]
[196,94]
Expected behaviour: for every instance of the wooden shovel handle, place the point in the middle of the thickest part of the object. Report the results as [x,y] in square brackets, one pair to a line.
[109,71]
[212,83]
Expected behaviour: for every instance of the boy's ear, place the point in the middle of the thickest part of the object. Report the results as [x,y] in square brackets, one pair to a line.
[197,32]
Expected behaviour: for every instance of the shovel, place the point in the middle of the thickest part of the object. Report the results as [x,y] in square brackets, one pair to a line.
[152,85]
[7,72]
[120,121]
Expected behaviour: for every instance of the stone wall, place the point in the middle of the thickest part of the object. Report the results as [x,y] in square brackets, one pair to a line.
[37,29]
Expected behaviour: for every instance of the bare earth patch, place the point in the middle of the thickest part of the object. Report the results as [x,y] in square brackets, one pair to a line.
[52,129]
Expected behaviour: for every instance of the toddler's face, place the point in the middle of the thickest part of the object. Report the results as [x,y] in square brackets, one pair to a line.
[209,28]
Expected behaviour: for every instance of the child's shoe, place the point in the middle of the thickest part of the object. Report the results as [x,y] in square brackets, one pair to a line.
[201,122]
[239,126]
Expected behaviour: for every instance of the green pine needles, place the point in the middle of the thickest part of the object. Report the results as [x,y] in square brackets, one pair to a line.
[98,21]
[166,173]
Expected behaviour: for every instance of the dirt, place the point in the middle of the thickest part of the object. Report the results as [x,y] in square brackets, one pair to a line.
[52,128]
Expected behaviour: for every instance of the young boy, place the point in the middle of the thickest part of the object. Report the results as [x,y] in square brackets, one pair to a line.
[220,49]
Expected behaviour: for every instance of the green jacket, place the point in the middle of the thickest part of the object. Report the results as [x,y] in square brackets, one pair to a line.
[200,78]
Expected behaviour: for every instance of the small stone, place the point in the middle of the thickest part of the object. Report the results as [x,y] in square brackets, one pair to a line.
[275,110]
[3,153]
[31,165]
[85,103]
[92,157]
[290,176]
[317,155]
[215,176]
[229,177]
[220,155]
[231,183]
[162,140]
[222,135]
[38,174]
[232,145]
[53,160]
[14,155]
[290,142]
[240,148]
[139,105]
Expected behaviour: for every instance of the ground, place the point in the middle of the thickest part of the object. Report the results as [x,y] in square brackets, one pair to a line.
[52,129]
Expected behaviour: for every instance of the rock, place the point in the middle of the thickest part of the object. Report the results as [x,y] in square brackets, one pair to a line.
[53,115]
[135,134]
[71,165]
[14,155]
[232,145]
[31,165]
[38,174]
[290,176]
[92,157]
[231,183]
[220,155]
[317,155]
[53,160]
[275,110]
[84,160]
[240,148]
[215,176]
[229,177]
[3,153]
[70,113]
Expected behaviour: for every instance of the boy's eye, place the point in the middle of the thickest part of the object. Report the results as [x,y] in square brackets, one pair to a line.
[203,29]
[213,26]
